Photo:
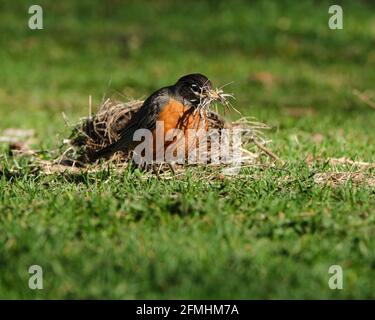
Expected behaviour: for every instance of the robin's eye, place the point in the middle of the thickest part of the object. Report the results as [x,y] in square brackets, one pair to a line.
[194,87]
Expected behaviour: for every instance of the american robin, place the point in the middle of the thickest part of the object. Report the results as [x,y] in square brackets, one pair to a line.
[178,106]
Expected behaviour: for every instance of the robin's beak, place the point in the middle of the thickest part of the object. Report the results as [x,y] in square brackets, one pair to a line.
[212,94]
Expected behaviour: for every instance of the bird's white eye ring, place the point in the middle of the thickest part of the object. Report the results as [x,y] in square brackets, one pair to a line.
[194,86]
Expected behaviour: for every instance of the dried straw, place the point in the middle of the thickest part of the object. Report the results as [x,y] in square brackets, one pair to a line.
[103,128]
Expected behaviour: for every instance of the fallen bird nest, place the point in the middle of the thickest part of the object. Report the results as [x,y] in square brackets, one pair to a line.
[97,131]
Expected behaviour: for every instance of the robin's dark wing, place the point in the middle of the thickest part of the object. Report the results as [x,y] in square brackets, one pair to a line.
[145,118]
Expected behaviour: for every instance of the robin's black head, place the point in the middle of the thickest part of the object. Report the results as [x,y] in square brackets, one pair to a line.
[193,88]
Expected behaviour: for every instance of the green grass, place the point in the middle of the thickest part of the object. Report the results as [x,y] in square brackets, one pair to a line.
[268,233]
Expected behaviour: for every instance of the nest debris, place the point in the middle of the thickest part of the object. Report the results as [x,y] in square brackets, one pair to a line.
[100,130]
[95,132]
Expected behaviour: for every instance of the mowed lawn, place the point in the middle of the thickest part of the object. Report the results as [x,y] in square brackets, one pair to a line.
[266,233]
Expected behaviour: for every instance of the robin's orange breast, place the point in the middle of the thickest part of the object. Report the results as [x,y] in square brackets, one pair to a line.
[175,115]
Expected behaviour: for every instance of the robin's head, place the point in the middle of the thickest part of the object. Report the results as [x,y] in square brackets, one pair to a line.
[194,88]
